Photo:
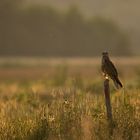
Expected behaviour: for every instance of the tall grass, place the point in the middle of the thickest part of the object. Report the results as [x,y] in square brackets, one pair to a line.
[34,111]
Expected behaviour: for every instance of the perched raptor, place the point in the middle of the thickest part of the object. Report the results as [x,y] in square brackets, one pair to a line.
[109,70]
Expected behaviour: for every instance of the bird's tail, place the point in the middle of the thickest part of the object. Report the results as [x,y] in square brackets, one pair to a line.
[117,83]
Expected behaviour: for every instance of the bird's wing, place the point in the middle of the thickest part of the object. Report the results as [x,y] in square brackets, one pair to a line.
[111,69]
[102,67]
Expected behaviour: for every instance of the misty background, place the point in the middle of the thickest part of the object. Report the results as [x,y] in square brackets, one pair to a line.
[69,28]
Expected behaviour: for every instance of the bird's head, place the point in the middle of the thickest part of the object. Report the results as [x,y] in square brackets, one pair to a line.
[105,53]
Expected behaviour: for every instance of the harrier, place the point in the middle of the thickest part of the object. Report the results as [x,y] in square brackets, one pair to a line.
[109,70]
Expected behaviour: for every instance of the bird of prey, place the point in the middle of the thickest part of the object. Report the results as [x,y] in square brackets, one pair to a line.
[109,70]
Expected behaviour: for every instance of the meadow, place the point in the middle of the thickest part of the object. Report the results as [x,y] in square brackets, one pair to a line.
[63,99]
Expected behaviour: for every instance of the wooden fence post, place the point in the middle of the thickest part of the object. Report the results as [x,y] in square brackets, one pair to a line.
[108,105]
[107,99]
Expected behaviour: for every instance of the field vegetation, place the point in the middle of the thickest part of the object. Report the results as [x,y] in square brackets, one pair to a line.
[66,102]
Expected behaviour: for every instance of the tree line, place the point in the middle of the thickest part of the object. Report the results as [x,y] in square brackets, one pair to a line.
[44,31]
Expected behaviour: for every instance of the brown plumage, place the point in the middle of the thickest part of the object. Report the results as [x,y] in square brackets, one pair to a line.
[109,70]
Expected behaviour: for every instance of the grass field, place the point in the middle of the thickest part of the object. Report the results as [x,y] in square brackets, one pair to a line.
[64,100]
